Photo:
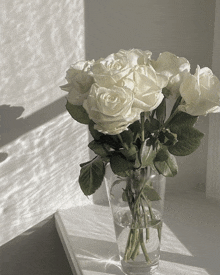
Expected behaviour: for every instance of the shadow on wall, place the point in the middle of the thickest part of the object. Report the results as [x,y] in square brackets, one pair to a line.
[12,126]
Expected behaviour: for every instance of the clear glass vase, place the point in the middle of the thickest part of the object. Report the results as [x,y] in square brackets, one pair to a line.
[137,208]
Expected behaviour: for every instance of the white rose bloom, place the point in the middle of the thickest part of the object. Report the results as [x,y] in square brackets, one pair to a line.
[136,57]
[111,108]
[201,93]
[173,67]
[79,82]
[110,70]
[148,87]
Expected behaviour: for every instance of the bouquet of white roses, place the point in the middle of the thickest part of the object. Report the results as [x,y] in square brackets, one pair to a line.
[123,99]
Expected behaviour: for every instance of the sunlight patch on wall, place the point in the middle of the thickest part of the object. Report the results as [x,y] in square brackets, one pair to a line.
[40,174]
[41,39]
[41,146]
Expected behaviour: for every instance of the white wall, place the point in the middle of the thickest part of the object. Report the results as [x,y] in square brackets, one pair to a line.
[41,146]
[213,171]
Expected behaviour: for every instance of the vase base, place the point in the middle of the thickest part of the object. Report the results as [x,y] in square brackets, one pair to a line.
[139,269]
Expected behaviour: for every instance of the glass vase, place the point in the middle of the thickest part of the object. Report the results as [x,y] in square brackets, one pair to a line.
[137,208]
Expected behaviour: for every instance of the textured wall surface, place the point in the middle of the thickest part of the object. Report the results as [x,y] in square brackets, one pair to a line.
[41,146]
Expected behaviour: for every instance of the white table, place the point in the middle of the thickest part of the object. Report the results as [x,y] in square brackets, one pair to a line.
[190,237]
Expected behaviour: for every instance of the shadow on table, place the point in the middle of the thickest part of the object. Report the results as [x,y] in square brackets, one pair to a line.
[36,251]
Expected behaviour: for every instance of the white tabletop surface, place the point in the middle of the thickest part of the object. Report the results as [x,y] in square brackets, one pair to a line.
[190,237]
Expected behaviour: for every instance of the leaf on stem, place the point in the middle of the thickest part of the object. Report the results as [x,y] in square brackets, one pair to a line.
[151,126]
[182,119]
[99,148]
[130,153]
[91,176]
[147,156]
[95,134]
[127,138]
[165,163]
[120,165]
[136,129]
[78,113]
[161,111]
[167,138]
[151,193]
[188,138]
[111,140]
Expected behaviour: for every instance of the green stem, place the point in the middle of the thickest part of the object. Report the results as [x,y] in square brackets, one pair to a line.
[122,142]
[152,216]
[141,238]
[152,114]
[174,111]
[128,246]
[136,250]
[149,206]
[176,104]
[142,126]
[146,223]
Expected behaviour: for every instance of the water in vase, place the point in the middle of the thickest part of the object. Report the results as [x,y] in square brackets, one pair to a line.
[137,258]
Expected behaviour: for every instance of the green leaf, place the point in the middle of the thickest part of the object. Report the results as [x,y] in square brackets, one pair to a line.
[130,153]
[136,129]
[91,176]
[99,148]
[78,113]
[121,166]
[112,140]
[182,119]
[137,163]
[147,156]
[127,137]
[151,193]
[167,138]
[95,134]
[188,138]
[165,163]
[161,111]
[151,126]
[166,92]
[171,138]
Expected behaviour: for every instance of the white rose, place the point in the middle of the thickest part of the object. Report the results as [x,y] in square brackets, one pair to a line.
[173,67]
[201,93]
[148,86]
[110,70]
[111,108]
[79,82]
[136,57]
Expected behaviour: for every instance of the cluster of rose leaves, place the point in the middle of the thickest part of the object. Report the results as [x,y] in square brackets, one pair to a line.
[112,93]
